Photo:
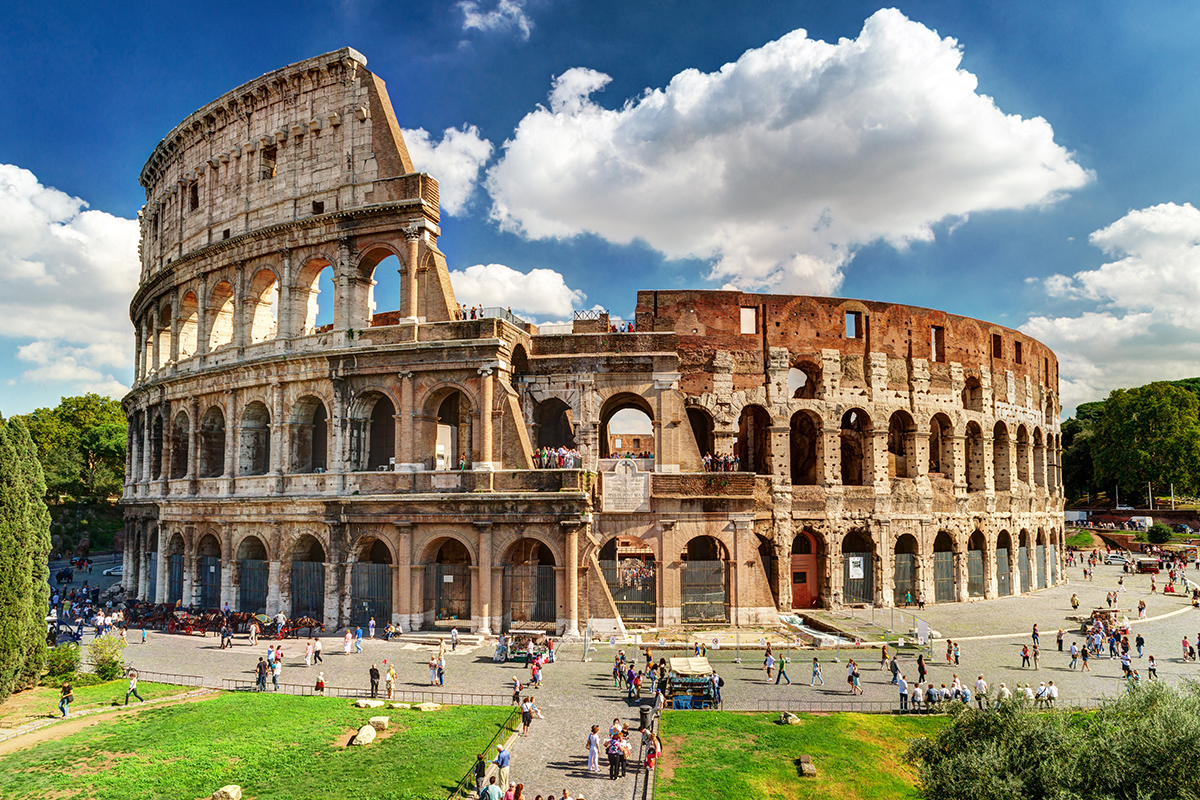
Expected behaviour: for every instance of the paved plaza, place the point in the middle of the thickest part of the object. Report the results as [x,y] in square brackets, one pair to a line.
[577,694]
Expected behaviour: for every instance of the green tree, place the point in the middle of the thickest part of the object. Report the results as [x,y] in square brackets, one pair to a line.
[1151,433]
[81,444]
[1159,533]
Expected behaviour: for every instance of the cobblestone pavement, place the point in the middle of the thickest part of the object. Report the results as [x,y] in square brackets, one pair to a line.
[577,694]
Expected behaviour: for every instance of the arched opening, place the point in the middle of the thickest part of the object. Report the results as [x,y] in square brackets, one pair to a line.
[1001,476]
[972,395]
[371,584]
[373,432]
[156,446]
[1023,560]
[310,436]
[254,440]
[630,570]
[976,568]
[175,550]
[804,381]
[316,293]
[858,568]
[212,443]
[704,581]
[448,585]
[180,455]
[701,423]
[208,565]
[1022,455]
[806,579]
[1039,559]
[308,578]
[163,330]
[262,306]
[905,566]
[1039,459]
[626,427]
[253,572]
[220,316]
[805,447]
[941,446]
[554,422]
[530,586]
[452,437]
[975,456]
[902,436]
[855,447]
[753,446]
[189,320]
[1003,564]
[944,577]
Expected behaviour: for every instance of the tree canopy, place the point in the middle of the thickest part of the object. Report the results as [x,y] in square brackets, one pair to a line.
[81,445]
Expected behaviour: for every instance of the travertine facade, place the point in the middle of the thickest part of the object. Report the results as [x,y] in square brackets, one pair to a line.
[383,464]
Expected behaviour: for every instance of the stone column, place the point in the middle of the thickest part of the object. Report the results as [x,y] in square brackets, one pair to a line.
[572,570]
[412,236]
[484,548]
[485,419]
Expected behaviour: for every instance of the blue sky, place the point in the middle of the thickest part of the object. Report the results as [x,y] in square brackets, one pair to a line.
[1037,171]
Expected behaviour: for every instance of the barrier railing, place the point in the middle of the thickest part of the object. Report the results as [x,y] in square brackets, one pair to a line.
[466,784]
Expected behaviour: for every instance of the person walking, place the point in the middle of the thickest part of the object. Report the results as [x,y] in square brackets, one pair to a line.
[816,673]
[593,748]
[374,673]
[132,690]
[65,696]
[783,661]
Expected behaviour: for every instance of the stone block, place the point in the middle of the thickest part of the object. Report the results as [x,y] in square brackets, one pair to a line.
[378,723]
[230,792]
[365,735]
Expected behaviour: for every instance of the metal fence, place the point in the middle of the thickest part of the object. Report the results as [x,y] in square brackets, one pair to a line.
[466,784]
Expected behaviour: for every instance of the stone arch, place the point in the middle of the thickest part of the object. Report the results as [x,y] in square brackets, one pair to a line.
[310,435]
[902,440]
[220,315]
[806,448]
[189,319]
[941,446]
[856,448]
[754,440]
[620,402]
[212,442]
[254,439]
[262,306]
[180,442]
[372,424]
[975,458]
[554,422]
[305,294]
[1001,477]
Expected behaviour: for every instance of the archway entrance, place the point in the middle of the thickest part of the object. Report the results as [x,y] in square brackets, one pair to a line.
[209,566]
[253,573]
[806,589]
[858,568]
[943,569]
[1003,564]
[371,585]
[530,586]
[448,585]
[704,581]
[630,573]
[308,578]
[905,570]
[975,546]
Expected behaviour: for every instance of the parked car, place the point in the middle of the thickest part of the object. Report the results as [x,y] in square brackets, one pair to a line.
[117,571]
[1115,558]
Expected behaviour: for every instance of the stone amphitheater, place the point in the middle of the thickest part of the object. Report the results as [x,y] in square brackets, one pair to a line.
[385,464]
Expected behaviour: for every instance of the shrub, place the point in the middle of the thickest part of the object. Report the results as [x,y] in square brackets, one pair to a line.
[106,655]
[63,660]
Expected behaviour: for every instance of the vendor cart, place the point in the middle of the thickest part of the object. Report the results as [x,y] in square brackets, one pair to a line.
[689,683]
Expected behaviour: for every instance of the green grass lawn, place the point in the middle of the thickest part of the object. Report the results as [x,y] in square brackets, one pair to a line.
[43,700]
[734,755]
[273,746]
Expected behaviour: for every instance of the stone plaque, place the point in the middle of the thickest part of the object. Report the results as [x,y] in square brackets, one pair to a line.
[625,488]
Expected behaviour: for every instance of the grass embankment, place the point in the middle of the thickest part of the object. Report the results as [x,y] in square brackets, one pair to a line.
[726,754]
[271,745]
[43,700]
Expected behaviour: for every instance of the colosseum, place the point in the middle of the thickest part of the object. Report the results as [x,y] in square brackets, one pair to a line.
[797,452]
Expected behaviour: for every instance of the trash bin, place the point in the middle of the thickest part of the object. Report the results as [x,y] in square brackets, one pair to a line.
[647,715]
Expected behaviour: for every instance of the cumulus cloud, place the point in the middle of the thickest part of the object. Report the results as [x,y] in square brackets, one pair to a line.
[539,293]
[503,15]
[1136,321]
[778,165]
[455,162]
[66,276]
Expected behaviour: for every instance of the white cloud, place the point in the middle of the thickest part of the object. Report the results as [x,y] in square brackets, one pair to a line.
[778,165]
[503,15]
[455,162]
[1139,322]
[539,293]
[66,276]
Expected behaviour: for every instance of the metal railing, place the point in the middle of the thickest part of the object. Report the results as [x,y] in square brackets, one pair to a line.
[466,784]
[358,693]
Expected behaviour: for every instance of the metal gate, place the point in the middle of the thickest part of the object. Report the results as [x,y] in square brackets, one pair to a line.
[448,591]
[1023,567]
[252,594]
[152,579]
[633,588]
[975,573]
[1040,555]
[858,577]
[308,590]
[1053,565]
[906,577]
[1003,577]
[703,595]
[210,582]
[943,577]
[529,596]
[174,578]
[371,594]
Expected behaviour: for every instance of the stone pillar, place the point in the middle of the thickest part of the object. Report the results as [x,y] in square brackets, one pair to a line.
[274,570]
[402,590]
[485,419]
[484,548]
[412,235]
[572,570]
